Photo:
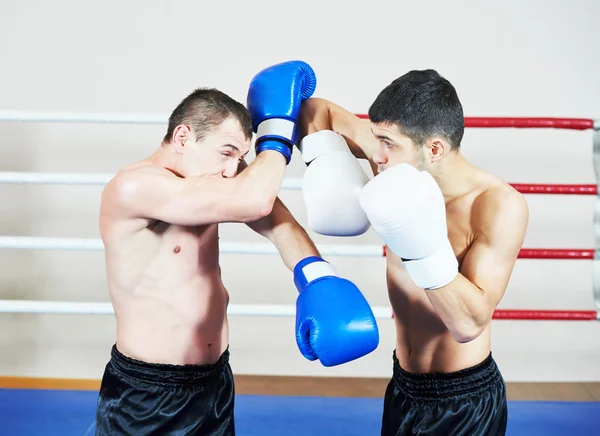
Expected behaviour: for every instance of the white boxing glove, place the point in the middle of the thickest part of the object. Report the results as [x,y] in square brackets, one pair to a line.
[331,186]
[407,210]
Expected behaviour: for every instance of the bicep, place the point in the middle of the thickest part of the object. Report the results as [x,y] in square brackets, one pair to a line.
[489,262]
[489,268]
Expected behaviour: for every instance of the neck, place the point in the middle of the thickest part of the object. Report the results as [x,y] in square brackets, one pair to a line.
[165,157]
[453,175]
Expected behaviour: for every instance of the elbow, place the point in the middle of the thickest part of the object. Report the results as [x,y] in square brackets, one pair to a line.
[262,206]
[468,331]
[464,337]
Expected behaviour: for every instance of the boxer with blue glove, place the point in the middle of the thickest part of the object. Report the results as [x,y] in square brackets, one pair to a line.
[334,322]
[169,369]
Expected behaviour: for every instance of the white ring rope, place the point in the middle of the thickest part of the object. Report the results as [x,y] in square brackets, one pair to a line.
[87,179]
[56,178]
[91,244]
[91,308]
[73,117]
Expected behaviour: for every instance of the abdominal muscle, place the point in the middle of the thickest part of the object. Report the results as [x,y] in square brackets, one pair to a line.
[423,343]
[169,301]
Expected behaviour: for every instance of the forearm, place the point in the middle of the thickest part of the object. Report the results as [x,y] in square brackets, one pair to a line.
[314,116]
[261,181]
[318,114]
[463,307]
[290,239]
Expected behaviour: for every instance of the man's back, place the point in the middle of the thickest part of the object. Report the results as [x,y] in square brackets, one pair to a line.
[161,279]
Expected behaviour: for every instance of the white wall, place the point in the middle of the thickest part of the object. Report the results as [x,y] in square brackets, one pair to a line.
[509,58]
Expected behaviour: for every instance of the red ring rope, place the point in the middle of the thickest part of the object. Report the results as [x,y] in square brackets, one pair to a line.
[541,315]
[551,253]
[529,123]
[525,122]
[555,189]
[554,315]
[548,253]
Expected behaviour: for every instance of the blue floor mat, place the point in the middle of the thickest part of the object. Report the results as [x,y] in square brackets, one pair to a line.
[65,413]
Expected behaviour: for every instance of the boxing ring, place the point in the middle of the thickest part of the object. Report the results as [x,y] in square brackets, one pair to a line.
[251,414]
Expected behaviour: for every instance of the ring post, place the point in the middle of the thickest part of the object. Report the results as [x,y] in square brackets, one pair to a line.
[596,261]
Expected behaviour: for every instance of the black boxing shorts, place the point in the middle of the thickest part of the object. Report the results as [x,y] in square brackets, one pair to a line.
[469,402]
[138,398]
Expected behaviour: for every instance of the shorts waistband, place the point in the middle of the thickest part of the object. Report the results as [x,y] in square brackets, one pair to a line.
[166,373]
[436,385]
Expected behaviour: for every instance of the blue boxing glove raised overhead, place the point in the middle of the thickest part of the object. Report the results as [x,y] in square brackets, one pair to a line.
[334,322]
[274,99]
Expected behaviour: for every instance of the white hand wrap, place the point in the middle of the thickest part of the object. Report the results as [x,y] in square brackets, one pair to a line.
[407,210]
[331,186]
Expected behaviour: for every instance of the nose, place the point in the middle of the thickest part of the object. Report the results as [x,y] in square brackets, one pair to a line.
[379,157]
[230,170]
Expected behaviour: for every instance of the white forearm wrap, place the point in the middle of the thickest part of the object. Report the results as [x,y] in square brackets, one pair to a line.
[407,210]
[435,270]
[276,127]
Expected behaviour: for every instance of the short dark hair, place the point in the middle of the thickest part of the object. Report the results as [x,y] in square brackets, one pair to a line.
[421,104]
[206,108]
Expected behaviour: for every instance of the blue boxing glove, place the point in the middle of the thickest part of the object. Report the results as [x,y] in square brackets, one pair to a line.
[334,322]
[274,100]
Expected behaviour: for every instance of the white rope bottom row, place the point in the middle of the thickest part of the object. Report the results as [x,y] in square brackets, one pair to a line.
[84,308]
[44,243]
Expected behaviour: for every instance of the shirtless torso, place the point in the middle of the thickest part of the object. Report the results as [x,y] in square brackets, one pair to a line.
[423,343]
[165,285]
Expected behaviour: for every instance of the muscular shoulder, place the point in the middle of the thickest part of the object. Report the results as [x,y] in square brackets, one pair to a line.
[127,184]
[141,170]
[130,176]
[499,211]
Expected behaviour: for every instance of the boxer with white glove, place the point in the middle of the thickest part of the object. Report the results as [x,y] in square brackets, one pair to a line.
[442,316]
[407,210]
[331,186]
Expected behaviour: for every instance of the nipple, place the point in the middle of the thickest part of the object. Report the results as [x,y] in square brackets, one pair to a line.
[177,249]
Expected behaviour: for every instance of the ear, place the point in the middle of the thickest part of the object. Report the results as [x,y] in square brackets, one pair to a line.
[438,148]
[182,135]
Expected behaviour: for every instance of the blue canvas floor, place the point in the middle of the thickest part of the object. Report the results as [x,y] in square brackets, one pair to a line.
[65,413]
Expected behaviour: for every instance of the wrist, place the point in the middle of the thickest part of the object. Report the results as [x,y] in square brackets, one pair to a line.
[311,269]
[434,271]
[276,134]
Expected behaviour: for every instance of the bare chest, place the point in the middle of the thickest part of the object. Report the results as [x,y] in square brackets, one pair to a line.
[459,220]
[195,248]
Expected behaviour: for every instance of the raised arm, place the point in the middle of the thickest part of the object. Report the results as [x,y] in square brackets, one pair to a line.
[274,98]
[155,193]
[318,114]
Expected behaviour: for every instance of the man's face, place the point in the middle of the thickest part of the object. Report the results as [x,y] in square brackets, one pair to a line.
[394,148]
[219,153]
